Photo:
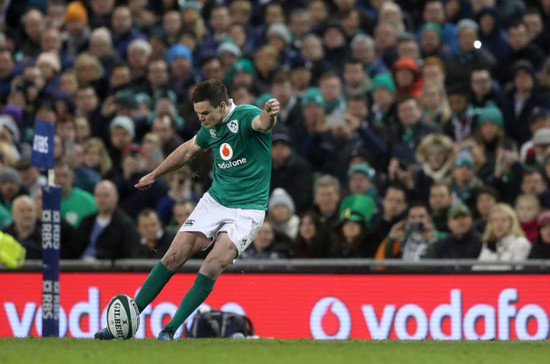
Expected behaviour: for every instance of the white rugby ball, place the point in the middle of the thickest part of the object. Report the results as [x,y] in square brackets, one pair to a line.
[122,317]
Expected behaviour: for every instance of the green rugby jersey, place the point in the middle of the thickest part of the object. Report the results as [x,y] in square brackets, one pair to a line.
[242,159]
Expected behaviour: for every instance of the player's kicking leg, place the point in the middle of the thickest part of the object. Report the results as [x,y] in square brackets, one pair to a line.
[222,254]
[184,246]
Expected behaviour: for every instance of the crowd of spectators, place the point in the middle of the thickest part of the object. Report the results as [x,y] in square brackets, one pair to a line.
[408,129]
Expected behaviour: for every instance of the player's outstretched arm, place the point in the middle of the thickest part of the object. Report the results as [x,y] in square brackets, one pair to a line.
[268,118]
[177,159]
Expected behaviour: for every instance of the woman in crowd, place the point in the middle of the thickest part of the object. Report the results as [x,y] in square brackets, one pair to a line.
[503,239]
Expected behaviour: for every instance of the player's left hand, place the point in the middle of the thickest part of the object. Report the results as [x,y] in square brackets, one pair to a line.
[272,107]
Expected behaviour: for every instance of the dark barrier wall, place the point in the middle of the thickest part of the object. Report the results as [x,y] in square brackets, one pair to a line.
[323,306]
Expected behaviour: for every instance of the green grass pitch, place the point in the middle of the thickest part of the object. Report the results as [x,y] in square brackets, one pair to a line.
[267,351]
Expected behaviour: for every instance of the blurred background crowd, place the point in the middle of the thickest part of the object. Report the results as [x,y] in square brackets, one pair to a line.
[408,129]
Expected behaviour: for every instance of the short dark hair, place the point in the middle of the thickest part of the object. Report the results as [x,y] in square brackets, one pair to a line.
[146,212]
[400,187]
[212,91]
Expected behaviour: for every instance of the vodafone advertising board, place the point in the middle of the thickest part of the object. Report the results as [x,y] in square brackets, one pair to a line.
[445,307]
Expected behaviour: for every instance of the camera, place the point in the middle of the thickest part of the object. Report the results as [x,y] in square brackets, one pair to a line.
[411,227]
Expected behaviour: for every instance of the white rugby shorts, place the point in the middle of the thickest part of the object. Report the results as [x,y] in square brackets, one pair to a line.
[210,218]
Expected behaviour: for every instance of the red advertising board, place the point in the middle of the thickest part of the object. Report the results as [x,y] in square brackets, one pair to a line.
[322,306]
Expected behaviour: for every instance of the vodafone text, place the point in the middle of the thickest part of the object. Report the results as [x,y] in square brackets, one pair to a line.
[481,321]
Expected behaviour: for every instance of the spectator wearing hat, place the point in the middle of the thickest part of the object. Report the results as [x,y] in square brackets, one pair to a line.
[134,166]
[491,136]
[10,187]
[361,181]
[434,13]
[503,239]
[486,198]
[463,242]
[281,213]
[108,233]
[411,239]
[122,133]
[337,50]
[540,119]
[463,178]
[50,65]
[279,37]
[541,246]
[520,101]
[180,62]
[78,31]
[491,34]
[383,100]
[228,53]
[353,228]
[123,31]
[520,48]
[75,203]
[242,73]
[411,128]
[290,171]
[30,176]
[300,75]
[408,80]
[460,64]
[430,41]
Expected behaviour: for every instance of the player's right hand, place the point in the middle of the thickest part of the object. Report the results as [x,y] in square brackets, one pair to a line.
[145,182]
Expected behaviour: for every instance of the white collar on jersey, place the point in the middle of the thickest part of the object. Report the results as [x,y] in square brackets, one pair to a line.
[233,106]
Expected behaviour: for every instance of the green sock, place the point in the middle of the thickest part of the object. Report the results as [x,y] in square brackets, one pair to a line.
[159,276]
[193,298]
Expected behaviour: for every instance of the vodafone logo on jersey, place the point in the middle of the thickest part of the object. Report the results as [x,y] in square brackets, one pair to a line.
[330,319]
[226,152]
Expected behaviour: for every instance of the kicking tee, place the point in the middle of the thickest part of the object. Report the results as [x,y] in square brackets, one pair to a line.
[242,159]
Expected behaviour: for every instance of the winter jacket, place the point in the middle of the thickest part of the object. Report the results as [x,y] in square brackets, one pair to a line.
[508,248]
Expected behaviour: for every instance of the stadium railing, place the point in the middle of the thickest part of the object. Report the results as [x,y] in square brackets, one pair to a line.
[304,266]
